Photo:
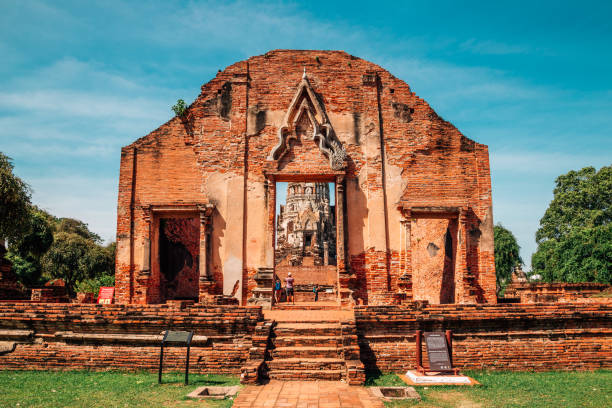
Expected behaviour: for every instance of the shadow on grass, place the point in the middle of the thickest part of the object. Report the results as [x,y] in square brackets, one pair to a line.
[199,379]
[376,378]
[372,376]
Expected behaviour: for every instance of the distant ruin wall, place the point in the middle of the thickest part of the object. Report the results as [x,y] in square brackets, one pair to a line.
[553,292]
[566,336]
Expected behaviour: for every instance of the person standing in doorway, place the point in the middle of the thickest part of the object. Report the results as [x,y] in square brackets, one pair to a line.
[315,289]
[277,289]
[289,288]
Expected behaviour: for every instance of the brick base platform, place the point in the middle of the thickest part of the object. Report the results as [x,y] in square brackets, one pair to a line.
[299,344]
[102,337]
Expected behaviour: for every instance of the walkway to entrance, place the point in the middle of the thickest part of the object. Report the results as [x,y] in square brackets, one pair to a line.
[308,311]
[302,313]
[307,394]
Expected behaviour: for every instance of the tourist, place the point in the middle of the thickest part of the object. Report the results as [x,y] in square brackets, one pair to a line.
[277,289]
[315,289]
[289,288]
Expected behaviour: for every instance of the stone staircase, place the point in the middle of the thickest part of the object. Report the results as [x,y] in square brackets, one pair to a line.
[306,351]
[319,345]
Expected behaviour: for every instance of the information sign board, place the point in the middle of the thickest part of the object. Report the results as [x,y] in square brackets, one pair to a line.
[106,294]
[437,351]
[176,337]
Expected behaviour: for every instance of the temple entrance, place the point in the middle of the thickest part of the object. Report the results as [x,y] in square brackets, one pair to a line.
[179,246]
[305,244]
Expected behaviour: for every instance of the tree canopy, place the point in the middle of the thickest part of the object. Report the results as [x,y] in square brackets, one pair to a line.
[26,252]
[575,234]
[75,258]
[73,226]
[14,202]
[506,254]
[42,246]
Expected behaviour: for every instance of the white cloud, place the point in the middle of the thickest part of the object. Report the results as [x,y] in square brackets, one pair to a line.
[88,104]
[490,47]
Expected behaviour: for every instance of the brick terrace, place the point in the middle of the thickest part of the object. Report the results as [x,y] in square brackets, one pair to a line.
[306,344]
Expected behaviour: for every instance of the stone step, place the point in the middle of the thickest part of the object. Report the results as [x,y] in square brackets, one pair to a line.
[283,329]
[306,364]
[306,352]
[307,306]
[307,341]
[307,375]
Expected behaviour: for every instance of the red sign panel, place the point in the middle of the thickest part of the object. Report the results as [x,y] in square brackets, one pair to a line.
[105,297]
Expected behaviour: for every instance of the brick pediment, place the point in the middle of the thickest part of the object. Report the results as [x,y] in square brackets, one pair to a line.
[306,117]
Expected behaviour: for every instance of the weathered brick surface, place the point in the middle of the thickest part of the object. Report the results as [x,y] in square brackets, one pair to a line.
[554,292]
[563,336]
[102,337]
[403,162]
[233,339]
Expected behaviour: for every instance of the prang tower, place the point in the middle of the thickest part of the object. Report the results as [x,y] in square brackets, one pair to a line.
[306,228]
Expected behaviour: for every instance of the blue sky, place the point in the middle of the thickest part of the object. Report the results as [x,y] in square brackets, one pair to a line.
[78,80]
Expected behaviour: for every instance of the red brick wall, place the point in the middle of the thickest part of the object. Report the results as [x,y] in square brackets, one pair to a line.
[539,337]
[399,150]
[509,337]
[229,330]
[303,275]
[554,292]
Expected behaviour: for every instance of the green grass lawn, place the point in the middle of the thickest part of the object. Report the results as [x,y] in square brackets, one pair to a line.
[107,389]
[513,389]
[117,389]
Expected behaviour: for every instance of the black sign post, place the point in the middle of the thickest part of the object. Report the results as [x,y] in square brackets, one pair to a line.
[439,352]
[175,337]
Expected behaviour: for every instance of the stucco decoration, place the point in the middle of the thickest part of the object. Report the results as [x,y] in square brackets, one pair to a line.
[305,104]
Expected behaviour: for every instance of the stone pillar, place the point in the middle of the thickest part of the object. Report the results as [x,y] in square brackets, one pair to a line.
[205,283]
[346,280]
[340,253]
[204,226]
[407,223]
[405,275]
[271,227]
[143,275]
[325,253]
[461,267]
[146,243]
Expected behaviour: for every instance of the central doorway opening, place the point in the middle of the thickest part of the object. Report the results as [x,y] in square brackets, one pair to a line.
[178,248]
[305,244]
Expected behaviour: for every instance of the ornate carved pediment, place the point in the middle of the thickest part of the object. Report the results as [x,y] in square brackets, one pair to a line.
[305,109]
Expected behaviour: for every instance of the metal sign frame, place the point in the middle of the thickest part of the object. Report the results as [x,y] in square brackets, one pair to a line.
[175,337]
[448,335]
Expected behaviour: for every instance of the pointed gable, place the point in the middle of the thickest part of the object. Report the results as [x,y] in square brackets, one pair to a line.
[306,115]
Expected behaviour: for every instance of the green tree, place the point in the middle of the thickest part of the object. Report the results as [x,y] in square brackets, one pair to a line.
[75,258]
[73,226]
[14,202]
[506,255]
[26,252]
[575,234]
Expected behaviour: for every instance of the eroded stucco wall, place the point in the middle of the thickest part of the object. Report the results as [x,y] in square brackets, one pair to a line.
[398,150]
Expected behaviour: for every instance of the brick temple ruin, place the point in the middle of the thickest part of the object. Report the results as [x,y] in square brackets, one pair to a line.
[306,227]
[197,197]
[391,212]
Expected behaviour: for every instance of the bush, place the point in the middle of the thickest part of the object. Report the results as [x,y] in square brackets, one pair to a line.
[180,108]
[93,285]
